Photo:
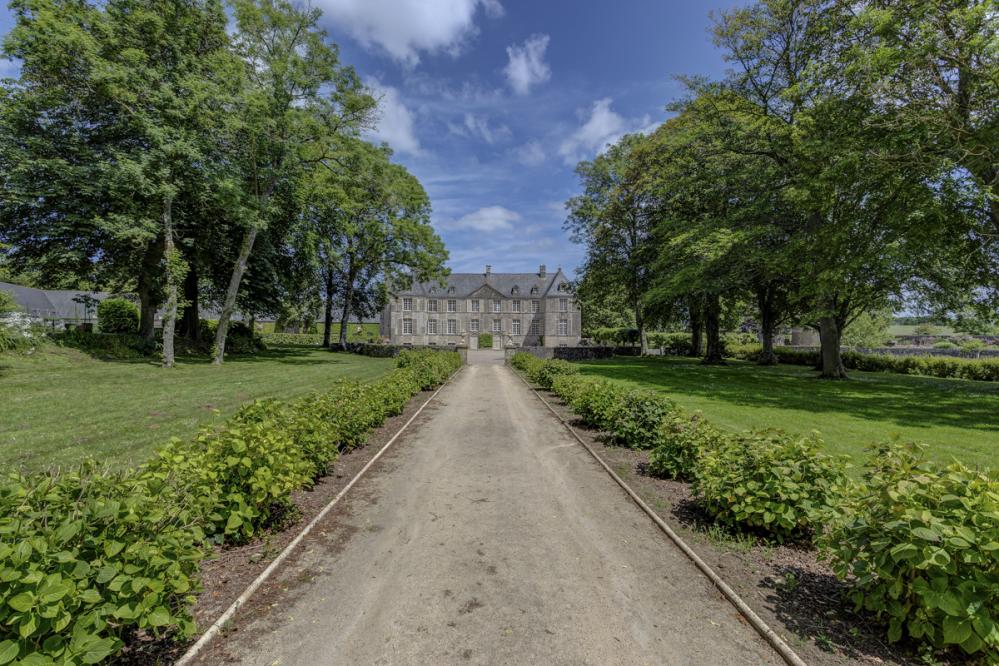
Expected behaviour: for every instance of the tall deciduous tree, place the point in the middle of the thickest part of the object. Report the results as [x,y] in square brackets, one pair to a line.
[298,101]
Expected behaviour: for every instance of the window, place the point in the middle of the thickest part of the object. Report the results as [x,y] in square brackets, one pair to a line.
[452,326]
[497,305]
[515,329]
[535,327]
[475,306]
[563,327]
[407,326]
[516,305]
[534,290]
[497,325]
[407,304]
[563,305]
[515,290]
[473,326]
[452,305]
[450,290]
[564,286]
[431,327]
[432,305]
[535,305]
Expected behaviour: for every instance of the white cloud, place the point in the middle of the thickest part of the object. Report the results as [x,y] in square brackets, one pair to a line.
[395,121]
[526,66]
[478,126]
[10,68]
[404,28]
[530,154]
[490,218]
[604,126]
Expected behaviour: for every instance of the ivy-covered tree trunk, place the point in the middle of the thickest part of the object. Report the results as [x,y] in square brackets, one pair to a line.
[229,305]
[348,296]
[768,326]
[328,314]
[171,265]
[190,320]
[712,325]
[696,329]
[146,288]
[830,338]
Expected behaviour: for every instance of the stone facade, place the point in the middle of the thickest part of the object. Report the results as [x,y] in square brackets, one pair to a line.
[517,309]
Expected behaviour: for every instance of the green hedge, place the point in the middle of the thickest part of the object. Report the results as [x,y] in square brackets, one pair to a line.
[986,370]
[116,315]
[87,558]
[305,339]
[918,545]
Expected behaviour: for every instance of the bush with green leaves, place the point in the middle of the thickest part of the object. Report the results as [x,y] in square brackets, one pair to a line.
[768,481]
[117,315]
[117,346]
[88,558]
[430,368]
[640,424]
[684,438]
[919,547]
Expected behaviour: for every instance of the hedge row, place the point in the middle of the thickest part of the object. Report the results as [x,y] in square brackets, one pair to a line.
[90,558]
[918,544]
[930,366]
[306,339]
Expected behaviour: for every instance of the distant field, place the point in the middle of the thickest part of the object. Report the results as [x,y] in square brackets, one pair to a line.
[910,329]
[957,418]
[60,405]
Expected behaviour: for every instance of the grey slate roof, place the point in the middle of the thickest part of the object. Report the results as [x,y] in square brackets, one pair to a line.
[466,284]
[51,303]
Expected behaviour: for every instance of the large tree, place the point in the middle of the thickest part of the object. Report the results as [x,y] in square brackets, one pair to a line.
[298,103]
[611,219]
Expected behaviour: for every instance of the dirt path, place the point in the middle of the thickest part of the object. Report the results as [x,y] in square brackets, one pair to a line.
[489,536]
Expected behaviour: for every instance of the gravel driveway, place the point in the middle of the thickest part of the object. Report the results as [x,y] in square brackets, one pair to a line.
[488,535]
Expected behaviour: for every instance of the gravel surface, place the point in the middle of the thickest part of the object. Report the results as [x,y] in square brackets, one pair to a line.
[487,535]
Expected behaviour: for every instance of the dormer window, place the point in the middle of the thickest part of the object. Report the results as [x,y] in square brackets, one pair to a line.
[564,287]
[450,290]
[515,290]
[534,290]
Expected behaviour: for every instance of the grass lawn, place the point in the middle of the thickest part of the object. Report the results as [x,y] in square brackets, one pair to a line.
[957,418]
[59,405]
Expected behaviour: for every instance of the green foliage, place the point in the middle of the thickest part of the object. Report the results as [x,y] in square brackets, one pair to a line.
[869,329]
[308,339]
[118,346]
[485,340]
[640,424]
[683,439]
[767,480]
[986,370]
[945,344]
[7,303]
[542,372]
[919,547]
[87,558]
[117,315]
[239,340]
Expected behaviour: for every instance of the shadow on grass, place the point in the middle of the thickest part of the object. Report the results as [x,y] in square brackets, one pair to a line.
[901,399]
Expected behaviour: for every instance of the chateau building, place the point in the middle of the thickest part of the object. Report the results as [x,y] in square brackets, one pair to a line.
[516,309]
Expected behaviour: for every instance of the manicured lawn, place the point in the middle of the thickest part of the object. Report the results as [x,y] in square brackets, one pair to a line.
[60,406]
[956,418]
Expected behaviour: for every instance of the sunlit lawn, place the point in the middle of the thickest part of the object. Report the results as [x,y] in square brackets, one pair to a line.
[59,406]
[957,418]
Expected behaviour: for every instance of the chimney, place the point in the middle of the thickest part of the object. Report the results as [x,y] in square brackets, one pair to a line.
[541,271]
[489,269]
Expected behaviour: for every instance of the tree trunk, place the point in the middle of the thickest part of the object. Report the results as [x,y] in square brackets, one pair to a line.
[229,305]
[328,313]
[145,286]
[348,294]
[830,336]
[768,324]
[172,277]
[190,320]
[643,336]
[696,330]
[712,323]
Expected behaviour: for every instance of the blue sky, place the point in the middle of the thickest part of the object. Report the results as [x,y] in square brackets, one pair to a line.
[490,103]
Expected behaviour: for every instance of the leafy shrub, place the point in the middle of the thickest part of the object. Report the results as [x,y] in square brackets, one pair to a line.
[672,344]
[768,480]
[929,366]
[600,403]
[550,369]
[615,336]
[239,338]
[118,346]
[304,339]
[430,368]
[639,425]
[86,558]
[485,340]
[945,344]
[684,438]
[116,315]
[920,548]
[17,331]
